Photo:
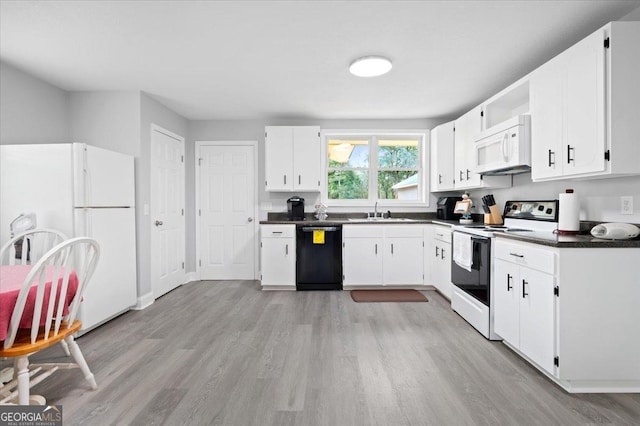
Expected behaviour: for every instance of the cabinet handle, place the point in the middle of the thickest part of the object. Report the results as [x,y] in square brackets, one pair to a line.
[516,254]
[285,179]
[276,232]
[391,248]
[524,293]
[442,253]
[509,286]
[299,179]
[437,251]
[461,178]
[551,163]
[376,251]
[569,159]
[286,249]
[440,235]
[439,178]
[468,174]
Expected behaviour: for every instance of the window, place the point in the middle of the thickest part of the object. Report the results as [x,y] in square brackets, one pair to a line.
[365,168]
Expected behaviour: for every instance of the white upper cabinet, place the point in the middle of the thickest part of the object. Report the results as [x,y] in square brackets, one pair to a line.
[442,157]
[292,158]
[584,107]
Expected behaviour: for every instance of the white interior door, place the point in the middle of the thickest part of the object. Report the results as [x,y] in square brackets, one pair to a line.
[227,230]
[167,212]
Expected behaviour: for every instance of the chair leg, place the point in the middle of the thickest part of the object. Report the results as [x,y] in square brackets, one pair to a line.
[77,356]
[65,348]
[21,366]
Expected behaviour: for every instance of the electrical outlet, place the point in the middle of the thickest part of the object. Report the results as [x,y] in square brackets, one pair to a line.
[626,205]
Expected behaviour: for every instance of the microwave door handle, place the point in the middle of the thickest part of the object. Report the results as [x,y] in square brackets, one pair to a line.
[505,146]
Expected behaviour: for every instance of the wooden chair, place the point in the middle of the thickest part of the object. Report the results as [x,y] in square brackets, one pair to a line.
[71,260]
[28,247]
[33,245]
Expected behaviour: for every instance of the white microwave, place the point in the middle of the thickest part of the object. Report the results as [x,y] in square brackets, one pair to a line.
[504,149]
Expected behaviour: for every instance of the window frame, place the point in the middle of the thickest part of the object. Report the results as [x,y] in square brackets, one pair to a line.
[373,136]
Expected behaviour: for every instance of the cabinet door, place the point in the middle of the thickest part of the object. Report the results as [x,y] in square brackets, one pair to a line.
[442,157]
[585,106]
[467,128]
[442,280]
[537,317]
[362,261]
[403,263]
[278,257]
[306,158]
[506,301]
[278,154]
[546,86]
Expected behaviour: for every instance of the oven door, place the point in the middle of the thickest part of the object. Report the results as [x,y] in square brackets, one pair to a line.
[476,282]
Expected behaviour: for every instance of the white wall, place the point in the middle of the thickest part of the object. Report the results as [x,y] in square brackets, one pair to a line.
[107,119]
[152,112]
[634,15]
[31,110]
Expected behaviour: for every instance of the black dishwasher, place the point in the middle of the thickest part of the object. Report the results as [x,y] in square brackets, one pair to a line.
[319,257]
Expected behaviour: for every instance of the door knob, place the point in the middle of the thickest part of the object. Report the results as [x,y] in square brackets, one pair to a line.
[158,223]
[250,219]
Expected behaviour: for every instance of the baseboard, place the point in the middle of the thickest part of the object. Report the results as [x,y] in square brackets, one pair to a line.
[144,301]
[388,287]
[192,276]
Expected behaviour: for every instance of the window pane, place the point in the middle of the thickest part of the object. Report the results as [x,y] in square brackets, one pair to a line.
[398,153]
[346,153]
[348,184]
[398,185]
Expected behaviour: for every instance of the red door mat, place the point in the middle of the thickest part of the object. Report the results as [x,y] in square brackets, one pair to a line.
[365,296]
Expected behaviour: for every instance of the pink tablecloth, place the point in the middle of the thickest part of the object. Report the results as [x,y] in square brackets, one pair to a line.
[11,279]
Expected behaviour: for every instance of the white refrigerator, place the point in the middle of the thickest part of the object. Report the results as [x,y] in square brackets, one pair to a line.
[80,190]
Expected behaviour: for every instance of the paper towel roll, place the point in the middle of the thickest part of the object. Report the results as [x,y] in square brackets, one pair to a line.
[569,212]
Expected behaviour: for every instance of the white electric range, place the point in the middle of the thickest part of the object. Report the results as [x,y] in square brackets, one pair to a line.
[471,265]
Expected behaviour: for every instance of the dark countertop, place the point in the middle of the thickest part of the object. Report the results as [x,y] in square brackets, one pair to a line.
[543,238]
[567,241]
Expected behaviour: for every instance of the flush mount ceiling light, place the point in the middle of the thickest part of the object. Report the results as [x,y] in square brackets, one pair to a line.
[370,66]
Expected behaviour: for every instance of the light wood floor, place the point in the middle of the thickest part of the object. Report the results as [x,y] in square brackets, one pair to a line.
[227,353]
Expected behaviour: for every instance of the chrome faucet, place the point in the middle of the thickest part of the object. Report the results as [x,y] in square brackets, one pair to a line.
[375,210]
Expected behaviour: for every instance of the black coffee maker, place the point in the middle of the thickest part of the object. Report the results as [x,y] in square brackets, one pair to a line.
[295,208]
[445,206]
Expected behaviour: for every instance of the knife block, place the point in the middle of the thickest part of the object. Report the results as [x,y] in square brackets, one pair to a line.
[494,217]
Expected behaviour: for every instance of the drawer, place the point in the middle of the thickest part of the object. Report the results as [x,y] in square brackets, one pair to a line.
[442,233]
[362,231]
[278,231]
[526,255]
[404,231]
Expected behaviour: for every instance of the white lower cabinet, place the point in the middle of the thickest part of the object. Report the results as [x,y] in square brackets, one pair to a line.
[571,312]
[388,255]
[439,255]
[524,310]
[278,257]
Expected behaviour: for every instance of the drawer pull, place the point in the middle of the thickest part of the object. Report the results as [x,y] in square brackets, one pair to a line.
[516,255]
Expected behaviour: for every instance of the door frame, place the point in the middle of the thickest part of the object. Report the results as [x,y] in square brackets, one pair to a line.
[156,128]
[256,222]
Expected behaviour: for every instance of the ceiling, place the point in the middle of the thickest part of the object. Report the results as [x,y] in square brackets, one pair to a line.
[289,59]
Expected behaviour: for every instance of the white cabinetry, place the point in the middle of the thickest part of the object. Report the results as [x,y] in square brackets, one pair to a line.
[278,257]
[292,158]
[442,157]
[440,255]
[362,255]
[581,103]
[571,312]
[388,255]
[524,300]
[467,128]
